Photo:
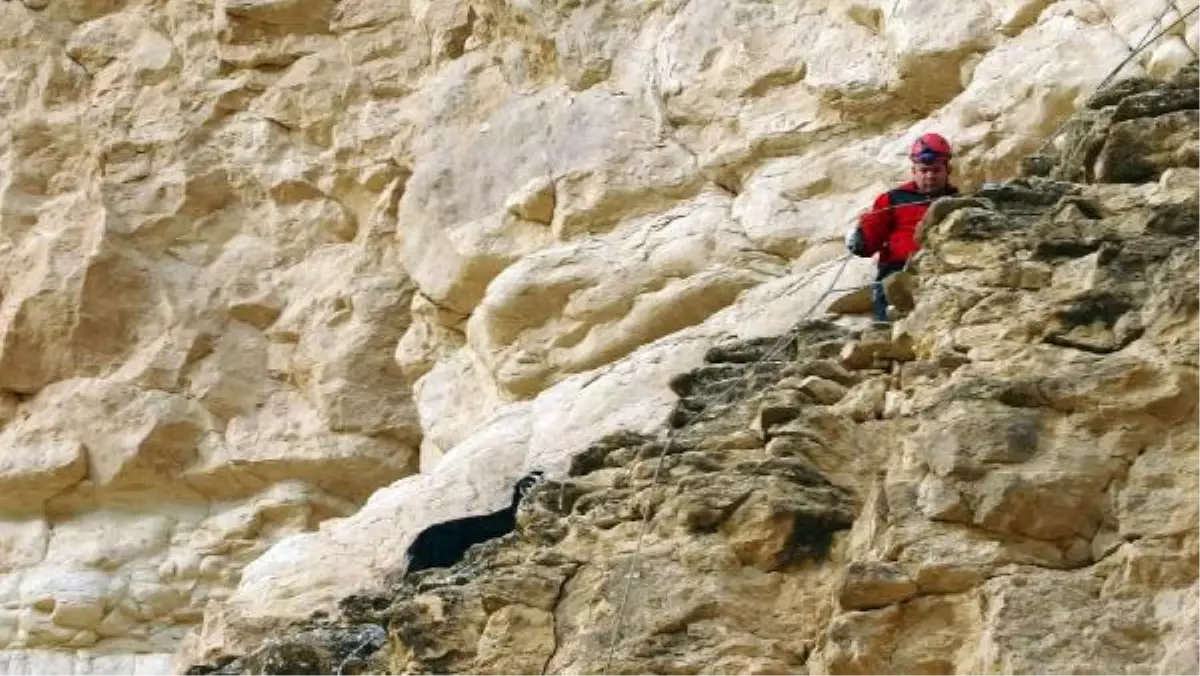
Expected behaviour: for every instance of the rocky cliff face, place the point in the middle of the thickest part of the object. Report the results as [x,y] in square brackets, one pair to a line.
[1003,481]
[260,258]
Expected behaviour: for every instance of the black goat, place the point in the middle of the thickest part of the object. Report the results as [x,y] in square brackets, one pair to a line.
[444,544]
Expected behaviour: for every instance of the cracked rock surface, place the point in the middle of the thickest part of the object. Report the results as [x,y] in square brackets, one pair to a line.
[1001,482]
[282,282]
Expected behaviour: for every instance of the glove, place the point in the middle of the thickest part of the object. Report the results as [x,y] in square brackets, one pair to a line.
[855,242]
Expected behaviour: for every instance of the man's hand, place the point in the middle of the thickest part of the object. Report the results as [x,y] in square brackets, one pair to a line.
[855,243]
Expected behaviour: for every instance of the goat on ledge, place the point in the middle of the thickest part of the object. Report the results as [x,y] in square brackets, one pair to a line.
[444,544]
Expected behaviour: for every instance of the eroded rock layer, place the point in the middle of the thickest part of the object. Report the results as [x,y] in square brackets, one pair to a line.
[262,258]
[1003,481]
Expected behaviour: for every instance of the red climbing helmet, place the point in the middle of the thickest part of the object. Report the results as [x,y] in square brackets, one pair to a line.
[929,148]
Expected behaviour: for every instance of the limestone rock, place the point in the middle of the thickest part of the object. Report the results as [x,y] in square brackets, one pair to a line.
[262,258]
[737,513]
[573,414]
[534,201]
[693,269]
[1008,459]
[869,585]
[824,391]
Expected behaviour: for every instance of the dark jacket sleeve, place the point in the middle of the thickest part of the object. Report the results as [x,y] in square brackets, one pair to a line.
[876,224]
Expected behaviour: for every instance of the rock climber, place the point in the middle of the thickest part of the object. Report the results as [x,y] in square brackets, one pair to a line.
[890,227]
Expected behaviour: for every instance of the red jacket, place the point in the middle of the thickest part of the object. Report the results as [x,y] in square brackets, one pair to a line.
[890,227]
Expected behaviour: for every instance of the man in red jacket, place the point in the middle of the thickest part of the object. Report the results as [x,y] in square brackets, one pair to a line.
[889,228]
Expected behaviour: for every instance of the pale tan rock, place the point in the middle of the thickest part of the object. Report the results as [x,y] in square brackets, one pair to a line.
[864,401]
[453,268]
[566,135]
[281,448]
[534,201]
[940,499]
[115,624]
[108,539]
[22,543]
[576,307]
[433,335]
[35,467]
[1043,506]
[922,37]
[1171,54]
[9,625]
[1041,597]
[870,585]
[28,363]
[1156,485]
[926,635]
[97,43]
[299,562]
[1015,71]
[789,206]
[571,415]
[853,302]
[132,436]
[271,31]
[216,221]
[232,379]
[824,391]
[75,597]
[1181,654]
[778,407]
[452,398]
[516,639]
[82,662]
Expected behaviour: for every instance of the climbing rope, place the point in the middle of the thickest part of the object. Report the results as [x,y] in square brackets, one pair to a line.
[1167,6]
[1175,4]
[1146,43]
[770,354]
[635,558]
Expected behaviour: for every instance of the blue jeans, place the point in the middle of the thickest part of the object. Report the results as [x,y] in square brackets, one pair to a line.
[879,299]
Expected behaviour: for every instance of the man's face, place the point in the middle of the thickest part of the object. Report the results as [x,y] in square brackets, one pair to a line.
[930,178]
